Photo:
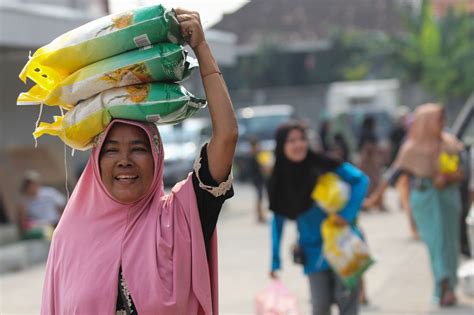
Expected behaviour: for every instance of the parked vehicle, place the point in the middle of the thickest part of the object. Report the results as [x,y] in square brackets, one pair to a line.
[182,143]
[348,103]
[260,122]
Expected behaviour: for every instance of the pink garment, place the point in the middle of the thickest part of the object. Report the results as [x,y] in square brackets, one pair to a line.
[158,240]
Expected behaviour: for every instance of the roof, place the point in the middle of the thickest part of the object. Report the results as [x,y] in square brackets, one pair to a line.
[308,20]
[442,6]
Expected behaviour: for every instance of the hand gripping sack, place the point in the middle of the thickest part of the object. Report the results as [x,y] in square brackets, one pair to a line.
[331,193]
[448,163]
[164,62]
[101,39]
[346,252]
[162,103]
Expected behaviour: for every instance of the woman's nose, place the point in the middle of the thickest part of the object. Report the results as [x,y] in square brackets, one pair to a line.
[124,161]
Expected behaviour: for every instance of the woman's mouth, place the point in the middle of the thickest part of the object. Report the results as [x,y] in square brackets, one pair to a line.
[126,178]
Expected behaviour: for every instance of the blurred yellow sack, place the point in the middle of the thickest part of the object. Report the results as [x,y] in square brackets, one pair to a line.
[265,158]
[448,163]
[164,62]
[162,103]
[100,39]
[346,252]
[330,192]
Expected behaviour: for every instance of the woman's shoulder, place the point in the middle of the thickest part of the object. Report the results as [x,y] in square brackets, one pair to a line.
[324,161]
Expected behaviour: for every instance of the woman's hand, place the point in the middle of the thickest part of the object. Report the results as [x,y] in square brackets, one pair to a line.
[339,221]
[274,275]
[191,27]
[439,181]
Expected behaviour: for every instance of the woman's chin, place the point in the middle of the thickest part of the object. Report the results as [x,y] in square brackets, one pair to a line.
[127,197]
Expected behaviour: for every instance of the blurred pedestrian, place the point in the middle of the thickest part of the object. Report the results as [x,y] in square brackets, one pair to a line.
[122,245]
[40,207]
[434,196]
[293,178]
[324,134]
[256,172]
[370,155]
[399,131]
[340,148]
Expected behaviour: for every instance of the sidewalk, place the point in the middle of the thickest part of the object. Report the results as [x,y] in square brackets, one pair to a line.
[399,283]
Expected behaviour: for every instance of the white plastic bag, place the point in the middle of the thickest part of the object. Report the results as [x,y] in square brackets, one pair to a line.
[275,299]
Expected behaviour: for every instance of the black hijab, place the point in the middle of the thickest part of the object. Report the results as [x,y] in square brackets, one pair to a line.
[290,184]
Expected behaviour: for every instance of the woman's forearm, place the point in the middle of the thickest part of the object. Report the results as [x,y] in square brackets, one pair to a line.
[224,123]
[221,147]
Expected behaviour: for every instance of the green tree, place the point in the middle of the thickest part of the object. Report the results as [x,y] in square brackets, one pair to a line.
[439,53]
[436,52]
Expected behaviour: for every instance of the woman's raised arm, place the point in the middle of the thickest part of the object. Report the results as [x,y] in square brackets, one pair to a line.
[221,147]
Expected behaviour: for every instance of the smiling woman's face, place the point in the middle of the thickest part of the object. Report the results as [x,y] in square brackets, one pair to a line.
[296,146]
[126,163]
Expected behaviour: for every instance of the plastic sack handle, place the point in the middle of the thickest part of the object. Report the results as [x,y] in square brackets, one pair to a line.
[44,76]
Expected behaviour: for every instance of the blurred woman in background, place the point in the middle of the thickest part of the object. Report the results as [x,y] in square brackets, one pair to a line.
[434,195]
[294,176]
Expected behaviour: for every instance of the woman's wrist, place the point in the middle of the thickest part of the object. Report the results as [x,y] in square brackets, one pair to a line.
[207,64]
[202,50]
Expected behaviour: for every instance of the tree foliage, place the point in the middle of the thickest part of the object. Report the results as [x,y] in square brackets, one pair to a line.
[436,52]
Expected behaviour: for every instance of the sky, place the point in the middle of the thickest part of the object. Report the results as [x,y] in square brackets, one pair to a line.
[211,11]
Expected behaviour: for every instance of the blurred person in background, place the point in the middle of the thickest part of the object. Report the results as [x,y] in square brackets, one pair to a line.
[125,247]
[340,148]
[434,197]
[293,178]
[399,131]
[370,156]
[40,207]
[324,133]
[256,172]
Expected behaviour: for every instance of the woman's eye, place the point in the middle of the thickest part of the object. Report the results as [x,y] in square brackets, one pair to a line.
[111,150]
[139,149]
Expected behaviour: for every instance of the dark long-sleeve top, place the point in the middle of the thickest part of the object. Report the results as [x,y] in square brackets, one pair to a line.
[209,206]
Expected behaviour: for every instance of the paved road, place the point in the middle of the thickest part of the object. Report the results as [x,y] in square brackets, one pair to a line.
[399,283]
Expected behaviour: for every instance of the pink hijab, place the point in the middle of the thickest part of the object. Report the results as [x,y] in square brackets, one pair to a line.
[157,240]
[426,140]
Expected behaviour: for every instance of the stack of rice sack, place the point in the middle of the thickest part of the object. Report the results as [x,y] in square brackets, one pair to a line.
[125,65]
[344,249]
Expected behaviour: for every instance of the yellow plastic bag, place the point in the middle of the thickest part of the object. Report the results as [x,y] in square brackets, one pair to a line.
[347,254]
[448,163]
[100,39]
[162,62]
[162,103]
[330,192]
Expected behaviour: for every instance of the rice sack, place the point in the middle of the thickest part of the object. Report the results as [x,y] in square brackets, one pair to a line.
[100,39]
[331,193]
[346,252]
[448,163]
[162,103]
[163,62]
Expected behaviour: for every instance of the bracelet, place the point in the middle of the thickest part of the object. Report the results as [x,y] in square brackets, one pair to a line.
[211,73]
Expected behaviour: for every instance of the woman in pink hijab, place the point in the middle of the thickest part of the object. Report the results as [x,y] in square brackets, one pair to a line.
[434,197]
[123,246]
